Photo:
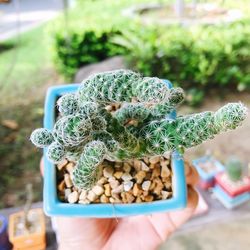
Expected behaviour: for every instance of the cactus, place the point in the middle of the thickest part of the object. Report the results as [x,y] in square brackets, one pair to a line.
[88,133]
[68,104]
[41,137]
[56,152]
[234,169]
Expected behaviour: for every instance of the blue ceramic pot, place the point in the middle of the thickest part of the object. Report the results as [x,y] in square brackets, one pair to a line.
[208,177]
[53,206]
[4,240]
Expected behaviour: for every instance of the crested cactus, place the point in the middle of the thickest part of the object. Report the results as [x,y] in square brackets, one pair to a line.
[87,133]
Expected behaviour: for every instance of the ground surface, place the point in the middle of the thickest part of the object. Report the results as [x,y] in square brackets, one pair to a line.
[20,16]
[217,236]
[23,84]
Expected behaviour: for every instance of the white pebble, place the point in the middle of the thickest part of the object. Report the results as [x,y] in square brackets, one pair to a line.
[128,185]
[83,195]
[62,164]
[73,197]
[108,172]
[165,194]
[118,189]
[154,159]
[91,196]
[144,167]
[137,165]
[98,190]
[166,155]
[126,177]
[165,172]
[67,192]
[85,201]
[114,184]
[146,185]
[68,181]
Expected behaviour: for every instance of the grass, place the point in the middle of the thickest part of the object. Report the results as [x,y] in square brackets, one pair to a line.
[25,65]
[26,72]
[19,160]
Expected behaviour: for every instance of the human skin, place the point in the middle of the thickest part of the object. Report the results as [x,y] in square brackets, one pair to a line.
[145,232]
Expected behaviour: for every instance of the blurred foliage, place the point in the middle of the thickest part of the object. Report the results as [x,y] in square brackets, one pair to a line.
[25,65]
[26,70]
[89,47]
[198,58]
[85,34]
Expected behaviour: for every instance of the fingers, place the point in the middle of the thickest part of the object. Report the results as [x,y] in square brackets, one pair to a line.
[180,217]
[42,166]
[192,176]
[166,223]
[81,233]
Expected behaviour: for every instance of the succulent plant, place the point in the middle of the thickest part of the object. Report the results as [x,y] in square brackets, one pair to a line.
[234,169]
[88,133]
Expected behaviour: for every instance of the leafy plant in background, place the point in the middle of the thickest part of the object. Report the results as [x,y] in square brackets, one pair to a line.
[84,48]
[88,133]
[201,58]
[87,36]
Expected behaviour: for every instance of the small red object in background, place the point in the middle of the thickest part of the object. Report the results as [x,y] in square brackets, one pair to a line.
[205,184]
[233,188]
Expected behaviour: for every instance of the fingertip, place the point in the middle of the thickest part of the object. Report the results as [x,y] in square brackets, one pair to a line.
[192,177]
[187,167]
[42,166]
[193,198]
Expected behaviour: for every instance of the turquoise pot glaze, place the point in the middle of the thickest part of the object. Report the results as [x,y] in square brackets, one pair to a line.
[54,207]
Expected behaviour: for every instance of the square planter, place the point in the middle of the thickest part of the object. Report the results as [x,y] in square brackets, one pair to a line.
[32,241]
[233,188]
[228,201]
[4,240]
[207,168]
[53,206]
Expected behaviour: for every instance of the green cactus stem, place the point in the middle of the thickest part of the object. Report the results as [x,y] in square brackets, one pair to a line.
[122,86]
[72,130]
[56,152]
[87,171]
[41,137]
[132,112]
[68,104]
[87,133]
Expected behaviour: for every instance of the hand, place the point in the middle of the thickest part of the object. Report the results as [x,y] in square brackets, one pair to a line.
[145,232]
